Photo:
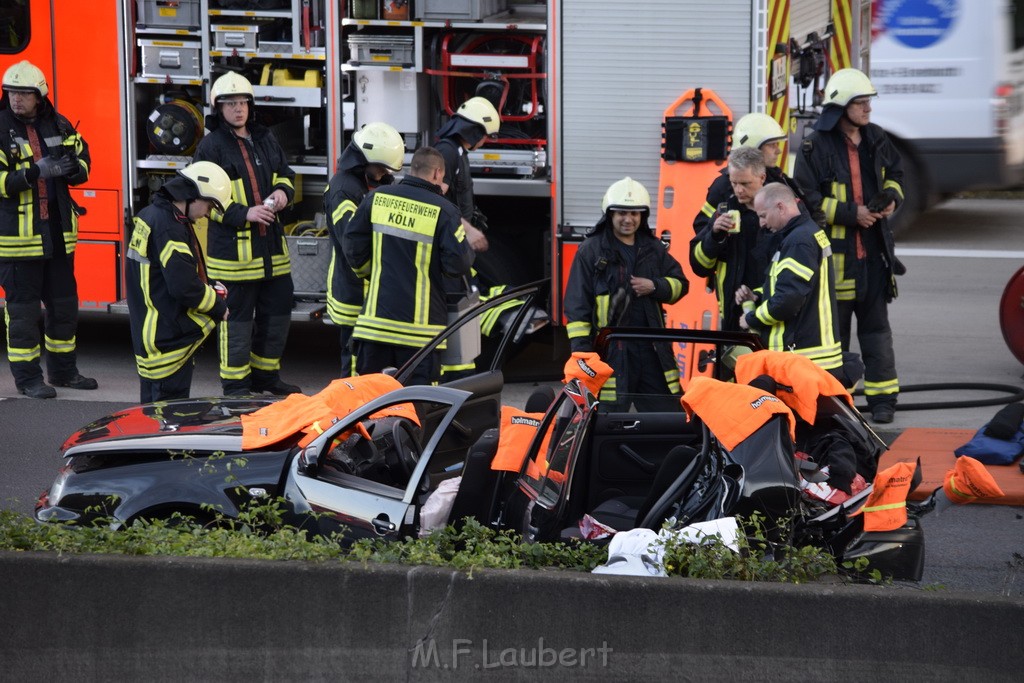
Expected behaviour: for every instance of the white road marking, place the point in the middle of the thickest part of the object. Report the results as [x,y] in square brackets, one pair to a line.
[960,253]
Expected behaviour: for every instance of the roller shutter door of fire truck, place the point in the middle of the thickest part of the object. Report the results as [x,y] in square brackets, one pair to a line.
[621,64]
[809,16]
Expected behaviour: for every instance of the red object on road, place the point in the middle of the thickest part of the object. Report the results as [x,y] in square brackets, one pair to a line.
[1011,314]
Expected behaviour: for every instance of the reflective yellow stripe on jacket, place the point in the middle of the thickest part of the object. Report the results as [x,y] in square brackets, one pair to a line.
[410,221]
[339,312]
[157,364]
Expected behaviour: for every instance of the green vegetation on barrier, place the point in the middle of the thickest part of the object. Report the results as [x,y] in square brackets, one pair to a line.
[259,533]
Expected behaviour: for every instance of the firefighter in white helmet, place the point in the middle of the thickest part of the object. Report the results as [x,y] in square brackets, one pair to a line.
[467,130]
[172,307]
[376,151]
[464,132]
[41,156]
[622,275]
[850,169]
[757,131]
[246,246]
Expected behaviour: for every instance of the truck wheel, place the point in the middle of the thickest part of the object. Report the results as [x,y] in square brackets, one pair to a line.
[915,191]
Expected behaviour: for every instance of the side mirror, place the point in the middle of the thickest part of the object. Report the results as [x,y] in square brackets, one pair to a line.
[308,460]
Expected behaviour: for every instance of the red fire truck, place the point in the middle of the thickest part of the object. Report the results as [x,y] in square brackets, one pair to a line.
[582,88]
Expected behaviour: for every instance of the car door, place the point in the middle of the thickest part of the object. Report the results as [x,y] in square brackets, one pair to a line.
[363,506]
[482,410]
[544,497]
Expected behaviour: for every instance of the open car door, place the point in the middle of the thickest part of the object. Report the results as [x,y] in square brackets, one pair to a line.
[546,480]
[482,409]
[365,475]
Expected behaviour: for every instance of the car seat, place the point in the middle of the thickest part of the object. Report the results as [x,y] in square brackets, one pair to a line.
[771,483]
[477,494]
[540,400]
[623,513]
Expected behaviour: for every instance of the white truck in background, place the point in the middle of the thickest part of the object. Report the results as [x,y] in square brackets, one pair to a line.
[950,79]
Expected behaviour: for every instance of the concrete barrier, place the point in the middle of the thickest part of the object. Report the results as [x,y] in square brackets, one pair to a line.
[87,617]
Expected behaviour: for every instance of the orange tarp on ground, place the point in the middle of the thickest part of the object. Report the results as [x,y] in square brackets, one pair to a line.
[935,448]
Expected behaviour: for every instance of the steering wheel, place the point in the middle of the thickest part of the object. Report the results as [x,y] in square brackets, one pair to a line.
[355,455]
[407,450]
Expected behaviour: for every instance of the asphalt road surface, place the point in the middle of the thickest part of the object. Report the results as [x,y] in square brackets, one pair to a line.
[946,326]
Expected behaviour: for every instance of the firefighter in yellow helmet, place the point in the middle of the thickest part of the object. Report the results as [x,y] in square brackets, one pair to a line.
[621,276]
[246,247]
[41,156]
[376,152]
[850,170]
[172,307]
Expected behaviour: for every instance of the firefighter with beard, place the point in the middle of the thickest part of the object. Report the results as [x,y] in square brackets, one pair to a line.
[621,276]
[851,170]
[171,307]
[377,150]
[246,246]
[41,155]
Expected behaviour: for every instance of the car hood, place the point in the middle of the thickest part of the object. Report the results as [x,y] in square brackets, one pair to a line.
[197,417]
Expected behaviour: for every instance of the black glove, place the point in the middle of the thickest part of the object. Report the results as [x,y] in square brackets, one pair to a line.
[73,165]
[479,220]
[882,200]
[54,167]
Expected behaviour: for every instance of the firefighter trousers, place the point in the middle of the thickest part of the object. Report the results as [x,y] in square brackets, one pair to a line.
[348,359]
[874,334]
[176,385]
[641,380]
[375,357]
[251,341]
[27,284]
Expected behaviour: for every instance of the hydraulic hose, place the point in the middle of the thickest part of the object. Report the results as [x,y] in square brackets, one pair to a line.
[1015,394]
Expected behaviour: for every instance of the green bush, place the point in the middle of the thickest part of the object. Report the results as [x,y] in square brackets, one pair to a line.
[259,533]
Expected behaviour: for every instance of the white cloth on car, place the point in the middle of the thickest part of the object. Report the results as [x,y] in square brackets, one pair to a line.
[438,506]
[641,552]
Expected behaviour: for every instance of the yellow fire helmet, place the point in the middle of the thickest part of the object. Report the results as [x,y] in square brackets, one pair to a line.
[755,129]
[230,85]
[626,195]
[846,85]
[211,181]
[480,111]
[25,76]
[381,144]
